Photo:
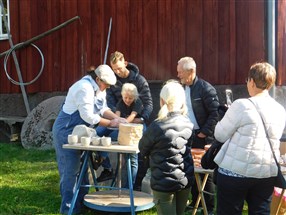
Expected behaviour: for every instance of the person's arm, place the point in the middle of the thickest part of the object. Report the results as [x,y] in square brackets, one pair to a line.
[110,119]
[84,101]
[118,113]
[112,95]
[131,117]
[135,116]
[231,121]
[211,104]
[110,123]
[145,96]
[108,114]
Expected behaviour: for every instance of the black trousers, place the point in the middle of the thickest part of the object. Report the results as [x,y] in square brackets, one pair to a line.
[233,191]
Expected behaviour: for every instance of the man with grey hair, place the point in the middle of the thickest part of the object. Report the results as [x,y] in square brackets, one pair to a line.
[202,102]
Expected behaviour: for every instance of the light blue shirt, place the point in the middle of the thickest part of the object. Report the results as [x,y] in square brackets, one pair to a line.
[191,114]
[86,97]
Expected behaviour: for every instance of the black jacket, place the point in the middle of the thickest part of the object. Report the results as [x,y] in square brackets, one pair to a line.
[165,143]
[205,105]
[114,92]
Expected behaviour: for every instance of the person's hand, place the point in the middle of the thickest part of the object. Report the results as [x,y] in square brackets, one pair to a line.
[201,135]
[114,123]
[138,121]
[122,120]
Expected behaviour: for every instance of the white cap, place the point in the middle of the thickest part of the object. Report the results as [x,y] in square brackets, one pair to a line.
[105,73]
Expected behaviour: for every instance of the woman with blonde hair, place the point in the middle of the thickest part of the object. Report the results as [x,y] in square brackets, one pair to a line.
[164,143]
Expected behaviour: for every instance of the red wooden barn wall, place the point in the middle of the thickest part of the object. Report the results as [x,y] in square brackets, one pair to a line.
[281,40]
[224,36]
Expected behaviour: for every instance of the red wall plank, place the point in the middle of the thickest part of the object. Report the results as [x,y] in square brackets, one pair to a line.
[281,40]
[164,54]
[194,31]
[223,36]
[150,39]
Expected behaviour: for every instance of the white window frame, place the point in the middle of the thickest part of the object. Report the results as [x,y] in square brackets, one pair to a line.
[3,34]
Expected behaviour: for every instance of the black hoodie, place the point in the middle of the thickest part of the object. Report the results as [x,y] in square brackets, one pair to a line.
[114,92]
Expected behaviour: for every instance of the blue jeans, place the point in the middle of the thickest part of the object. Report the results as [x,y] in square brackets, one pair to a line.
[232,191]
[69,162]
[103,131]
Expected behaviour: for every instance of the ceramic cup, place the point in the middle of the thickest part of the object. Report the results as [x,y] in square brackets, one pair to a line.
[95,141]
[85,141]
[72,139]
[106,141]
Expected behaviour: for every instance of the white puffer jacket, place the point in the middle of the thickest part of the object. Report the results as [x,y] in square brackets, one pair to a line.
[246,150]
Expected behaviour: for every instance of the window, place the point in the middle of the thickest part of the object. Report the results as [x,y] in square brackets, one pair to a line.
[4,15]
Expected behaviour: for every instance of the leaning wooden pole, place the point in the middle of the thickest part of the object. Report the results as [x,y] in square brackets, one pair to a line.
[28,42]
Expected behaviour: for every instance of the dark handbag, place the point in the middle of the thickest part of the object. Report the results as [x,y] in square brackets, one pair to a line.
[280,180]
[222,110]
[207,161]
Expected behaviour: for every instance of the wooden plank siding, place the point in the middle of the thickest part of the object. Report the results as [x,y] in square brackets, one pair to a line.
[223,36]
[281,43]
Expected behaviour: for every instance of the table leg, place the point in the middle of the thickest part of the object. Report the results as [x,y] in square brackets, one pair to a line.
[201,187]
[92,172]
[115,179]
[130,182]
[119,174]
[280,201]
[81,175]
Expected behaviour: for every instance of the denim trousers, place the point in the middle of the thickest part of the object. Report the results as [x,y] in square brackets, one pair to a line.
[103,131]
[233,191]
[69,162]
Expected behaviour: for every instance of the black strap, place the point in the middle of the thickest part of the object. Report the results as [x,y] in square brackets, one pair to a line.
[266,134]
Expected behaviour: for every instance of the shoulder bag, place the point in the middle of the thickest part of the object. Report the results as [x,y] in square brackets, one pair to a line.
[207,161]
[280,180]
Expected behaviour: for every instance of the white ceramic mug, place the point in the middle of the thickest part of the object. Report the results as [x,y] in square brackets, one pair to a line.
[106,141]
[85,141]
[95,141]
[72,139]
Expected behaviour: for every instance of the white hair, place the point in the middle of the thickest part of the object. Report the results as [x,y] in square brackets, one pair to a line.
[187,63]
[131,88]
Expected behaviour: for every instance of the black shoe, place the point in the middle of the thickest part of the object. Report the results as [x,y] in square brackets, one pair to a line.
[96,160]
[105,175]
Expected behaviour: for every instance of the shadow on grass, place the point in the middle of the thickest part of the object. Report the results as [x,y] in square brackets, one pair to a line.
[29,200]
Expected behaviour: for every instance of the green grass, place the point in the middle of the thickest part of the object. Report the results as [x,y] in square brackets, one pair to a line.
[29,182]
